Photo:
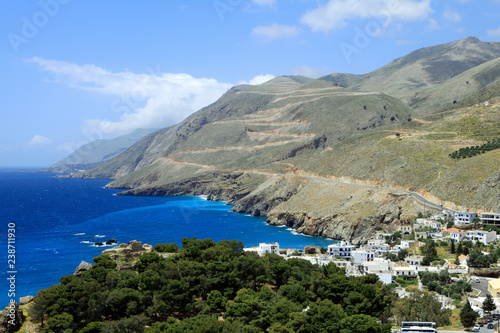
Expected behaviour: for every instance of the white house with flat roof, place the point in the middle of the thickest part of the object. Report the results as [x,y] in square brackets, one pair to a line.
[414,260]
[485,237]
[269,248]
[342,250]
[264,248]
[378,265]
[465,217]
[360,256]
[490,218]
[405,271]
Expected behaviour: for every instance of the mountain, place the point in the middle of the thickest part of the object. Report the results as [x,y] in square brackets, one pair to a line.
[95,153]
[341,156]
[419,78]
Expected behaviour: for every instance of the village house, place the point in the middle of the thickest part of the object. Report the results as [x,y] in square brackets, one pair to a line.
[490,218]
[414,260]
[342,250]
[484,237]
[405,272]
[494,288]
[407,244]
[378,265]
[456,234]
[465,217]
[463,260]
[264,248]
[360,256]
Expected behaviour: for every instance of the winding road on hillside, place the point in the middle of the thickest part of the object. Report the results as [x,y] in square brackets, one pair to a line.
[270,117]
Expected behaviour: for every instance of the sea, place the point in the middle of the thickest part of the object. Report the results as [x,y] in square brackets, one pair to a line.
[49,225]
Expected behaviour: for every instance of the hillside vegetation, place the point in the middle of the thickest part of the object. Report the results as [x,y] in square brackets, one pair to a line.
[212,287]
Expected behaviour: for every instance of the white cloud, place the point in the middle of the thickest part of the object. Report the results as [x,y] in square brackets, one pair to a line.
[39,140]
[335,14]
[258,79]
[274,31]
[452,15]
[432,26]
[493,32]
[269,3]
[142,100]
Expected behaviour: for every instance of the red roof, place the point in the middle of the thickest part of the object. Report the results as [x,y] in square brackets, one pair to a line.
[454,230]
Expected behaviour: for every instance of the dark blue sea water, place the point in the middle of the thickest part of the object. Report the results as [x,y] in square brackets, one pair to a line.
[58,221]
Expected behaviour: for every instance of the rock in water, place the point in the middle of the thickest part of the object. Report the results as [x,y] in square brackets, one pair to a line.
[111,241]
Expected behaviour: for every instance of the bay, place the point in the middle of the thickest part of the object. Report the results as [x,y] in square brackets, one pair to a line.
[58,221]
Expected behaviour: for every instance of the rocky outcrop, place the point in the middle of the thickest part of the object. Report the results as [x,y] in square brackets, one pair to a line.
[84,266]
[12,318]
[128,251]
[26,299]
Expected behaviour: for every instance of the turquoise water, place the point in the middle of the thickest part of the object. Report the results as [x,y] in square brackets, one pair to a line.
[58,221]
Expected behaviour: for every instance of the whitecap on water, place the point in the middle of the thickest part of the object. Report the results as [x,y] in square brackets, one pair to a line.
[79,234]
[99,236]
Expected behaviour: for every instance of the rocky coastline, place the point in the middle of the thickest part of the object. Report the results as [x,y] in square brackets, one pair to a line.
[309,206]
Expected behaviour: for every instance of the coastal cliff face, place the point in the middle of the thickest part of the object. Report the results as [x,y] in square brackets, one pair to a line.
[311,206]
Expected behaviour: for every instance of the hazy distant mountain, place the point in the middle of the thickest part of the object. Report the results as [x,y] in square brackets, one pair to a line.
[97,152]
[336,156]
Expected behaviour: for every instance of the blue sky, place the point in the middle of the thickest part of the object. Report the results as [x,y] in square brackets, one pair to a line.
[74,71]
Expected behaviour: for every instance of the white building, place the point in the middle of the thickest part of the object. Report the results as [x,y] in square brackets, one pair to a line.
[361,256]
[484,237]
[465,217]
[375,242]
[405,271]
[456,234]
[378,265]
[264,248]
[490,219]
[414,260]
[406,244]
[342,250]
[269,248]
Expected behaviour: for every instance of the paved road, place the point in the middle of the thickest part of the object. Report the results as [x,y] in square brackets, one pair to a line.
[482,285]
[426,203]
[416,196]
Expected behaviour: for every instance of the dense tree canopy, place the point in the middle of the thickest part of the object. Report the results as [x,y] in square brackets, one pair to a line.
[205,280]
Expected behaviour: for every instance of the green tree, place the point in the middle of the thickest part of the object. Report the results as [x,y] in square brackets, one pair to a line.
[59,323]
[362,324]
[166,247]
[420,305]
[489,303]
[216,301]
[468,316]
[402,254]
[452,247]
